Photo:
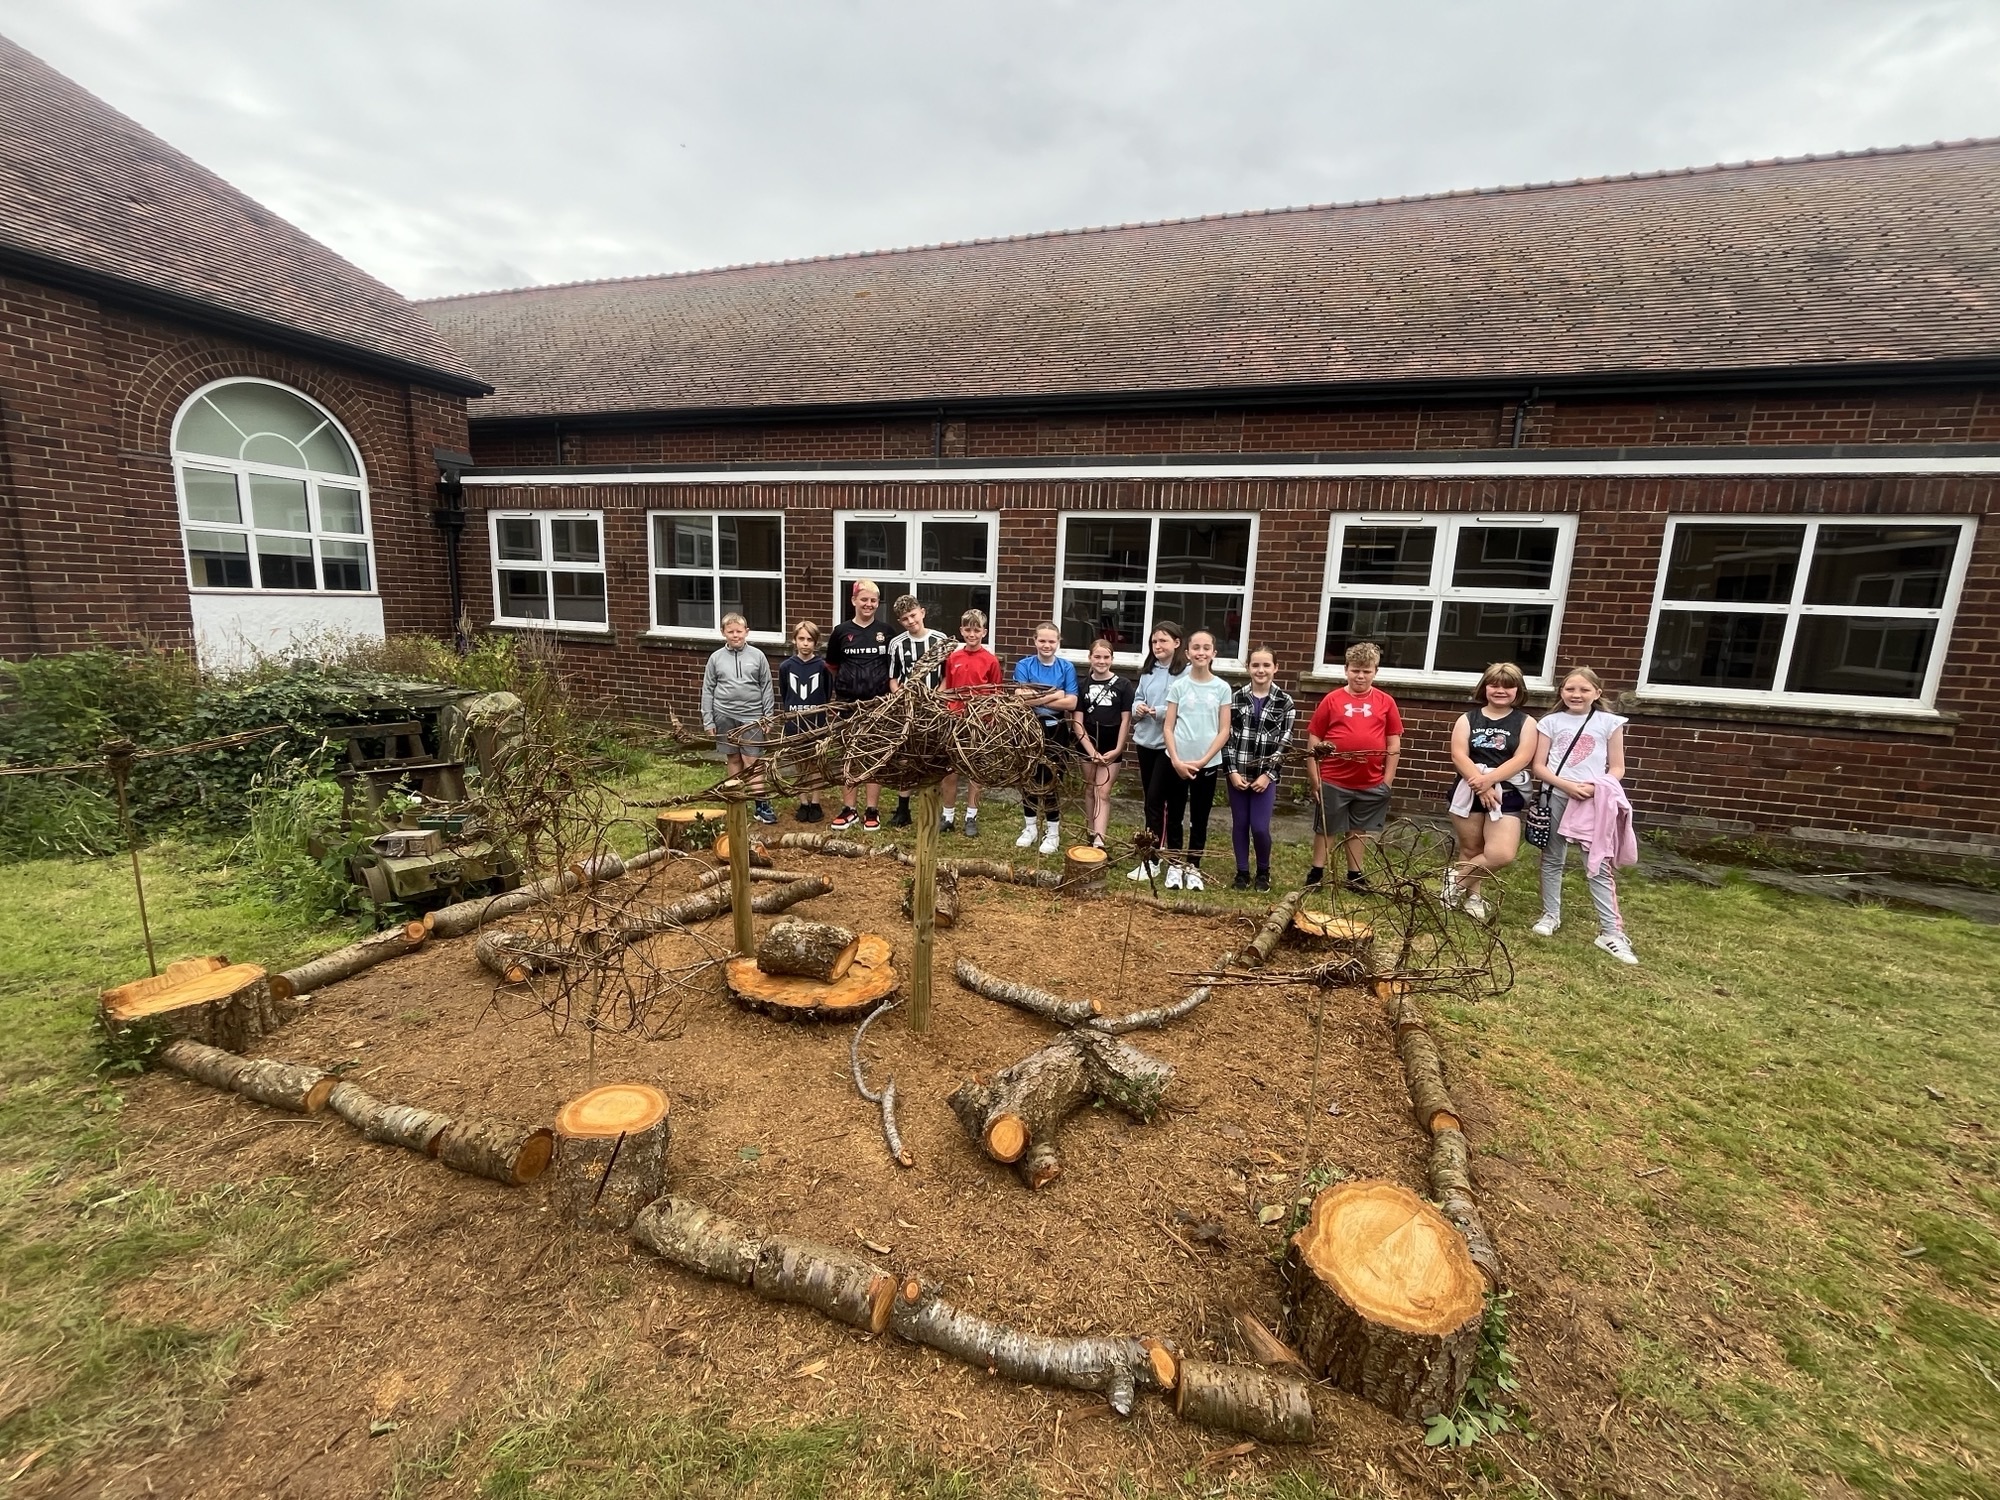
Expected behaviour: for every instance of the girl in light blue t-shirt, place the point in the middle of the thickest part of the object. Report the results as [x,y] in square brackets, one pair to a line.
[1196,728]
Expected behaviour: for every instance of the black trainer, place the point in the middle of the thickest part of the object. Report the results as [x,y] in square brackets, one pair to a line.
[900,818]
[1357,880]
[1242,881]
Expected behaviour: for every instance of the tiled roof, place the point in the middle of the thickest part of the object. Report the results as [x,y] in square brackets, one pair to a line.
[1872,258]
[83,188]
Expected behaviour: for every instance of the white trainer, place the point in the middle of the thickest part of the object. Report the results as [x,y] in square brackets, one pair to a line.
[1144,870]
[1452,891]
[1194,882]
[1477,909]
[1027,835]
[1618,946]
[1173,877]
[1052,838]
[1546,925]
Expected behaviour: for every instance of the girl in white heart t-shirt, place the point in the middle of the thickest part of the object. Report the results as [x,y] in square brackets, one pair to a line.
[1578,745]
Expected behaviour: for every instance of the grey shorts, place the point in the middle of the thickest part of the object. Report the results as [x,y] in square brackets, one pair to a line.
[1344,810]
[752,744]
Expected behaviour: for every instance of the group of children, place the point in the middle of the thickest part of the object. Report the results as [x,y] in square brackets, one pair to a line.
[1187,730]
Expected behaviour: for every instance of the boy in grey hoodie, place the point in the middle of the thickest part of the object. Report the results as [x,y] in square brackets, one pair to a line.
[736,690]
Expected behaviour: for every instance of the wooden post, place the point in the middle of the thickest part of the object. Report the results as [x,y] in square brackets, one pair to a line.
[923,906]
[739,876]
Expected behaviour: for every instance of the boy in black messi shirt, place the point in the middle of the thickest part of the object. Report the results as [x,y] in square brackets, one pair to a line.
[806,683]
[858,652]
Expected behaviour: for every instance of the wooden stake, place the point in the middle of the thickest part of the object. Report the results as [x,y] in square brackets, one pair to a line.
[739,876]
[923,902]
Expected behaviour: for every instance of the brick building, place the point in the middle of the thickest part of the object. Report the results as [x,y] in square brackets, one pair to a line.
[213,430]
[1731,436]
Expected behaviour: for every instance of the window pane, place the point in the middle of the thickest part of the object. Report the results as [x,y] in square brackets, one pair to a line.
[876,546]
[761,602]
[580,596]
[1696,649]
[1119,615]
[204,430]
[340,510]
[345,565]
[753,543]
[1472,637]
[521,540]
[218,559]
[1106,551]
[265,408]
[890,587]
[1204,552]
[954,547]
[1869,658]
[1392,556]
[269,448]
[1401,627]
[945,602]
[1221,613]
[1504,557]
[328,452]
[524,596]
[211,496]
[684,602]
[1905,567]
[573,539]
[279,504]
[285,562]
[1734,564]
[683,542]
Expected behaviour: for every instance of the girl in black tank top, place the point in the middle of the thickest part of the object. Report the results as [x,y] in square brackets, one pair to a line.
[1486,805]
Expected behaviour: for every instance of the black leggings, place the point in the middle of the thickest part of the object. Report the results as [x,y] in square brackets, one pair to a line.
[1196,798]
[1154,769]
[1044,795]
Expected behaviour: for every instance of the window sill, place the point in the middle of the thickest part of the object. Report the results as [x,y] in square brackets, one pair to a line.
[1920,721]
[284,593]
[1429,686]
[570,632]
[707,638]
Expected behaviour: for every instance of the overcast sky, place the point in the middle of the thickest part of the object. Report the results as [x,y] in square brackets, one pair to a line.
[451,147]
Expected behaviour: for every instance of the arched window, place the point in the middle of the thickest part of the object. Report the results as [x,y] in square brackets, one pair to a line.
[271,491]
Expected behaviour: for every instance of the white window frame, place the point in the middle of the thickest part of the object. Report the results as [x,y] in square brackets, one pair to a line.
[547,566]
[1152,586]
[655,570]
[1795,609]
[1440,591]
[914,554]
[242,470]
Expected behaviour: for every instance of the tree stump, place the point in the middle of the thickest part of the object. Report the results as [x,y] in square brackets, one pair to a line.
[1084,867]
[1273,1405]
[611,1155]
[200,999]
[1326,932]
[945,912]
[683,827]
[869,981]
[812,950]
[1383,1299]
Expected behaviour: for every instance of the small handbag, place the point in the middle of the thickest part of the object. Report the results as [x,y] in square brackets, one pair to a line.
[1537,821]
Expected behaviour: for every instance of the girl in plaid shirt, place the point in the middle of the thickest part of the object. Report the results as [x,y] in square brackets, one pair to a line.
[1260,723]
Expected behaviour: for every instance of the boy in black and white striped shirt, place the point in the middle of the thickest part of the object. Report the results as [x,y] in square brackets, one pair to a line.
[905,651]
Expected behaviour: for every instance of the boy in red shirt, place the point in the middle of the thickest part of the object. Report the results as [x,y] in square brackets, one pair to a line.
[969,666]
[1363,721]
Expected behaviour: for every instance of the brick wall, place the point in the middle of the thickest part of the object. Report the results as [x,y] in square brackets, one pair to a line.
[90,547]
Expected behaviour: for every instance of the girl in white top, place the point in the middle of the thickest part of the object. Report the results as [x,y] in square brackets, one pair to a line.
[1578,745]
[1196,729]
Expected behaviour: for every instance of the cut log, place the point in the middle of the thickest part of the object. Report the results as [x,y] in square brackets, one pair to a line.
[680,827]
[1263,1345]
[502,952]
[1025,1101]
[1257,952]
[759,860]
[834,845]
[1121,1074]
[355,958]
[1423,1070]
[1083,868]
[1383,1299]
[993,869]
[1265,1404]
[402,1125]
[1451,1188]
[513,1154]
[645,921]
[946,912]
[228,1006]
[844,1287]
[1156,1017]
[870,980]
[466,916]
[1025,996]
[684,1233]
[720,876]
[281,1085]
[811,950]
[1327,932]
[611,1155]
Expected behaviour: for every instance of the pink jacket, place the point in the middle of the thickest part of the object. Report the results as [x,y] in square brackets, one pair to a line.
[1602,823]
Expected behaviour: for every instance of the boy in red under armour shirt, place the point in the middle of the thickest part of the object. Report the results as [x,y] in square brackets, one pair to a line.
[1363,731]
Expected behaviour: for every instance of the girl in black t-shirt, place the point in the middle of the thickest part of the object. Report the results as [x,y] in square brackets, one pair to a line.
[1492,744]
[1103,724]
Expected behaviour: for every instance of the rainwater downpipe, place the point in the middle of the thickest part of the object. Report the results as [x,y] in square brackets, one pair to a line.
[1521,414]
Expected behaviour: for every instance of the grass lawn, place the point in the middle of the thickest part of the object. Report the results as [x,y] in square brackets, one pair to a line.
[1815,1084]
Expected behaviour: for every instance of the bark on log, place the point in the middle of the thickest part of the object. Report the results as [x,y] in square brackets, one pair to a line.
[834,845]
[720,876]
[1263,1345]
[686,1234]
[611,1155]
[1116,1366]
[502,952]
[1025,1101]
[1423,1070]
[1327,932]
[1383,1298]
[355,958]
[811,950]
[645,922]
[466,916]
[870,980]
[1158,1016]
[1083,868]
[993,869]
[1451,1188]
[1274,1407]
[1024,996]
[759,860]
[1257,952]
[393,1124]
[1133,1080]
[513,1154]
[844,1287]
[281,1085]
[945,912]
[228,1006]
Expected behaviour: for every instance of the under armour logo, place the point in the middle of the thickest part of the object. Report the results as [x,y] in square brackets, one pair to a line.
[1366,710]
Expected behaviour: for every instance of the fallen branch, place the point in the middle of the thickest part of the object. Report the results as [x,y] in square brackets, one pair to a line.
[465,916]
[720,876]
[1257,952]
[1024,996]
[345,963]
[1016,1116]
[1158,1016]
[1451,1189]
[886,1098]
